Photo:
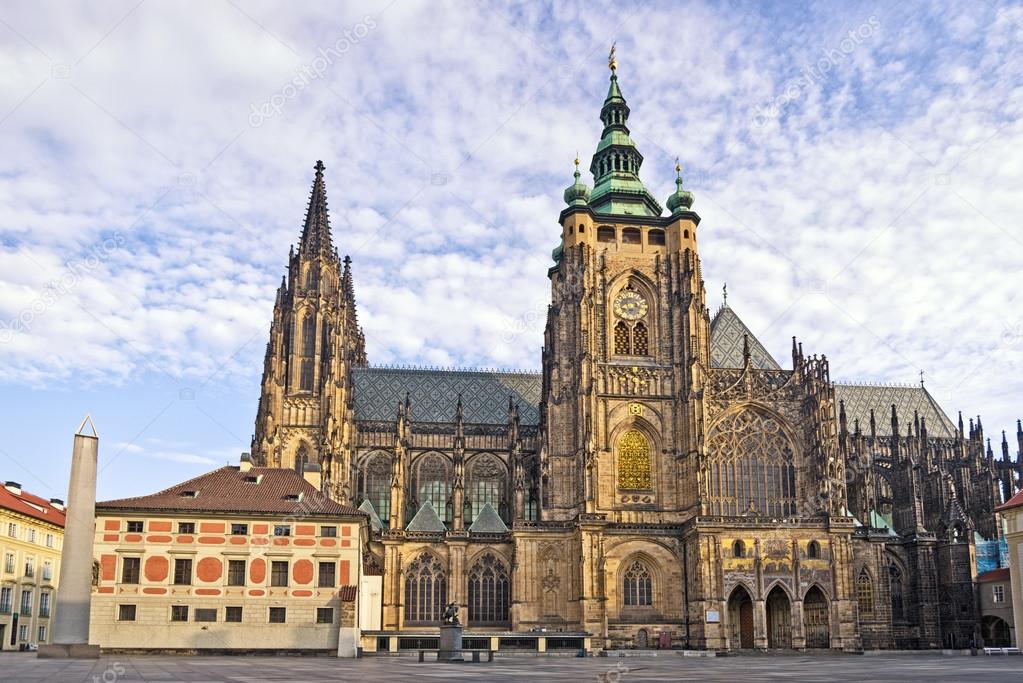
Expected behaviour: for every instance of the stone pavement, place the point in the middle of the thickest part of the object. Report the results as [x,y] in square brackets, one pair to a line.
[794,668]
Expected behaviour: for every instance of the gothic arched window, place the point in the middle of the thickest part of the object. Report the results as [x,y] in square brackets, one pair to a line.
[637,586]
[813,550]
[305,380]
[631,330]
[489,591]
[426,590]
[301,458]
[486,484]
[865,594]
[895,586]
[376,485]
[633,461]
[750,467]
[738,549]
[309,335]
[621,338]
[433,484]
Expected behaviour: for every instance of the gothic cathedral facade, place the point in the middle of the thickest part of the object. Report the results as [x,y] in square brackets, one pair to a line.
[662,474]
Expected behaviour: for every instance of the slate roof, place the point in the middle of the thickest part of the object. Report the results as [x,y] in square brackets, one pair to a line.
[227,490]
[726,338]
[426,519]
[860,398]
[434,393]
[488,522]
[28,504]
[374,518]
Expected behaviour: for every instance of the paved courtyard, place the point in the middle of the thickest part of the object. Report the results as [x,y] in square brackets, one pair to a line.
[18,667]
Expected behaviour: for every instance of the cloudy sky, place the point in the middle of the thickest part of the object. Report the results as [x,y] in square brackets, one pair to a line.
[857,166]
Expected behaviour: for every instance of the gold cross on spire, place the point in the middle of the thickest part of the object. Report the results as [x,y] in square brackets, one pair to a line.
[612,63]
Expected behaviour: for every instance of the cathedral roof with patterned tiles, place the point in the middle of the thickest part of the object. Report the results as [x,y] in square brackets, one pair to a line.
[434,392]
[229,489]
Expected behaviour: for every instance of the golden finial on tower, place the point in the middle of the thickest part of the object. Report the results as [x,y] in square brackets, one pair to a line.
[678,167]
[612,63]
[577,160]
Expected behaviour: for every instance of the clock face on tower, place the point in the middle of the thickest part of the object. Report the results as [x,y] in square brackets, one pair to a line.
[630,305]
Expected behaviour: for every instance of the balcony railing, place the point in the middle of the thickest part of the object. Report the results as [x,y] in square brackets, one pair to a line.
[44,612]
[5,608]
[26,611]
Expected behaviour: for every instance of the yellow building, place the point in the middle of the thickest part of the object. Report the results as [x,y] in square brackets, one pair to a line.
[241,558]
[1012,512]
[31,535]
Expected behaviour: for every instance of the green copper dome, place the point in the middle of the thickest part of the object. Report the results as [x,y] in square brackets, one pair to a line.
[578,193]
[615,167]
[680,200]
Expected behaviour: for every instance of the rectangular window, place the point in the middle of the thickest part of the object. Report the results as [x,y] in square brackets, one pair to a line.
[205,614]
[30,535]
[26,603]
[277,615]
[30,567]
[9,563]
[42,634]
[324,615]
[239,529]
[236,572]
[126,612]
[44,605]
[233,614]
[182,572]
[328,531]
[12,530]
[47,571]
[23,632]
[49,540]
[135,527]
[179,613]
[327,575]
[131,569]
[282,530]
[186,527]
[278,573]
[998,593]
[6,596]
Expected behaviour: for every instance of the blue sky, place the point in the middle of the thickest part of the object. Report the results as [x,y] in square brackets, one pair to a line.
[857,167]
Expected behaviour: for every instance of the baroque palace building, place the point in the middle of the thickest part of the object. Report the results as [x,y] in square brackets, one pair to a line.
[662,480]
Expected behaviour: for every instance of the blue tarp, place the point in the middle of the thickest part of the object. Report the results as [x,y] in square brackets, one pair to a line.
[992,555]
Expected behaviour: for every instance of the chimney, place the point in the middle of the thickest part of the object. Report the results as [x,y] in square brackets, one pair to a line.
[245,464]
[13,486]
[57,503]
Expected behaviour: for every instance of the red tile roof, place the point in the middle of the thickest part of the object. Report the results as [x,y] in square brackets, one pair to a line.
[31,505]
[268,490]
[994,575]
[1013,502]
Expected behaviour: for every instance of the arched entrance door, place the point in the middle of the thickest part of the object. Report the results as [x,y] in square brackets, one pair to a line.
[779,620]
[816,624]
[995,632]
[740,618]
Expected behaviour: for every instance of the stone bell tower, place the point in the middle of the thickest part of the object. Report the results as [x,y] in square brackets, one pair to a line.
[627,335]
[304,416]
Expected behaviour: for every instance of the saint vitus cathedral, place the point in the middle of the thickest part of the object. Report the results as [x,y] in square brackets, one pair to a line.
[662,477]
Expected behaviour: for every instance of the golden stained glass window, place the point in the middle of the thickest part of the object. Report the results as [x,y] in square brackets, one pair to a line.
[633,461]
[865,594]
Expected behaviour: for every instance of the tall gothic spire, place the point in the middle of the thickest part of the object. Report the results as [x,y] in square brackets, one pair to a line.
[615,166]
[316,231]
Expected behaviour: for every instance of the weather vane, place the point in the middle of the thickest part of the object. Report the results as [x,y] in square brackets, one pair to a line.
[724,290]
[612,63]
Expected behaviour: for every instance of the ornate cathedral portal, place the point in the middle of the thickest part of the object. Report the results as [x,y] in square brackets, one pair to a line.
[663,480]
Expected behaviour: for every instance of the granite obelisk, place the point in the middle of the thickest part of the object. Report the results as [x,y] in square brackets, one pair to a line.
[71,621]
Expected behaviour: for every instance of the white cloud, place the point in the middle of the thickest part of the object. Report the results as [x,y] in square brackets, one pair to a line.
[448,136]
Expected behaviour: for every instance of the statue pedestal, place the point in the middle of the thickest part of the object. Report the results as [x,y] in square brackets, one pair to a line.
[450,647]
